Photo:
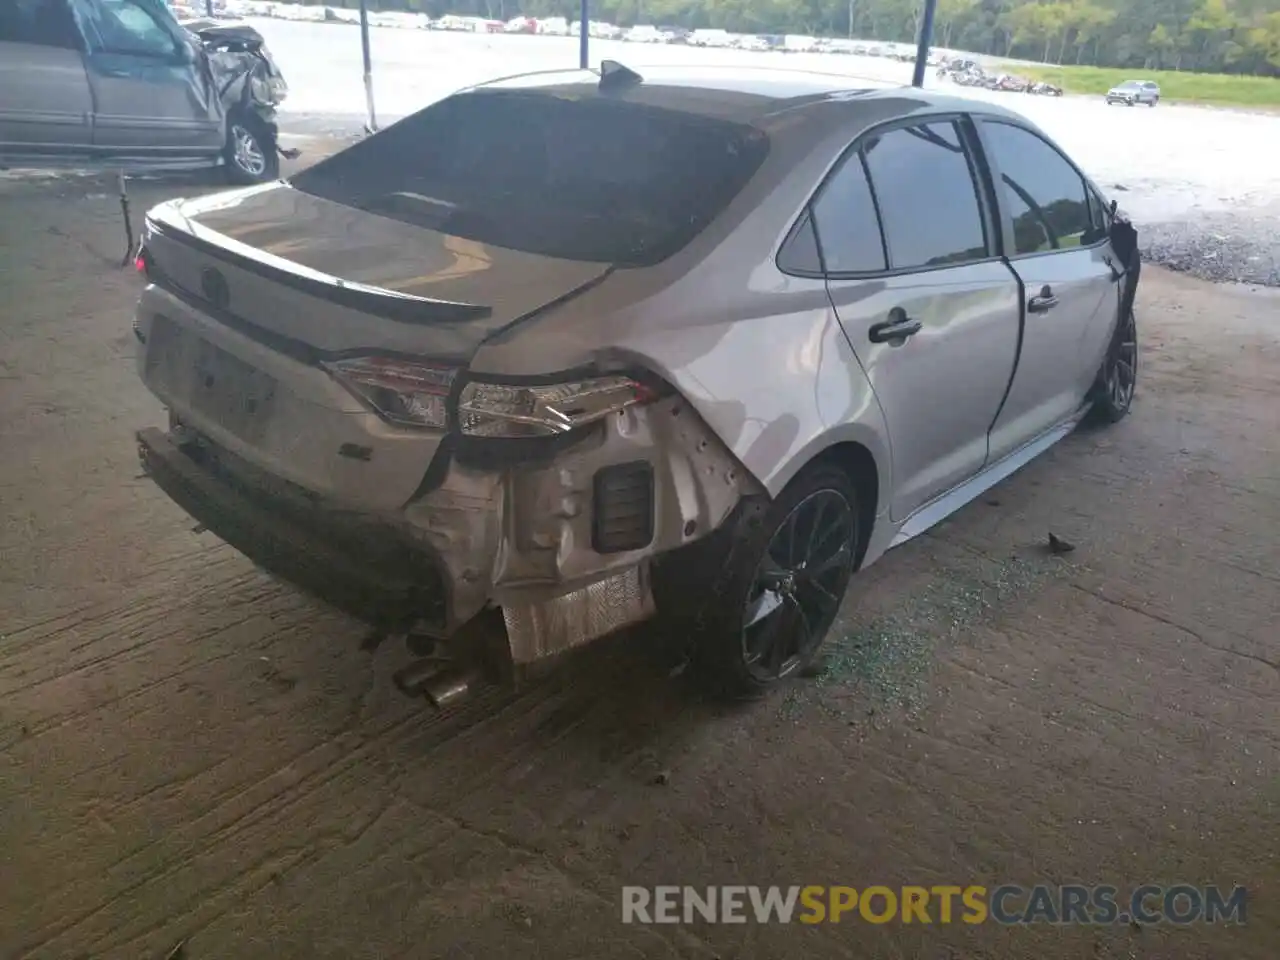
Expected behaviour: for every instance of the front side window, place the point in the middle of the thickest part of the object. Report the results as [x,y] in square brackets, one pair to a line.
[927,197]
[1043,193]
[130,27]
[591,178]
[41,23]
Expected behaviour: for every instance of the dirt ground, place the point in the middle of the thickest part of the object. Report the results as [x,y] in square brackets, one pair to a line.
[192,752]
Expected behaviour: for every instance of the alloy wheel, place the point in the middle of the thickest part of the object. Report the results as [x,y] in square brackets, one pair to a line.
[798,585]
[1122,376]
[247,152]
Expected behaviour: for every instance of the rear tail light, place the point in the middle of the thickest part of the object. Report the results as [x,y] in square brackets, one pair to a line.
[417,394]
[545,410]
[403,392]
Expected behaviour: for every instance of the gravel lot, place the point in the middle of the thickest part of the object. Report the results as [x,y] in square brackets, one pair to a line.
[192,753]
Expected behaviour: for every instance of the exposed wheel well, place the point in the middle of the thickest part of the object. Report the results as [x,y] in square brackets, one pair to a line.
[856,461]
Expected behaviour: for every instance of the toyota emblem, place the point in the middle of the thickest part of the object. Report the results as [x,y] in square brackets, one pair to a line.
[214,287]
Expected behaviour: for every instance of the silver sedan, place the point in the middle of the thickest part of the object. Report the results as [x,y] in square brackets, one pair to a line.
[578,347]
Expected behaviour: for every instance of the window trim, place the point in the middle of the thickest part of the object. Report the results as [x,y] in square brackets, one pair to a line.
[875,206]
[992,227]
[992,165]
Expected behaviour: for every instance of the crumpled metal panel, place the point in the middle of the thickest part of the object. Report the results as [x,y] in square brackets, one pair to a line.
[537,630]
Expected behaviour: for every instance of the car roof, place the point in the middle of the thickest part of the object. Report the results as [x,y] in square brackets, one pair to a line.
[745,94]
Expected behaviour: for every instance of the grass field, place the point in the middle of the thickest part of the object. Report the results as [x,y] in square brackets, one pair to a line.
[1213,88]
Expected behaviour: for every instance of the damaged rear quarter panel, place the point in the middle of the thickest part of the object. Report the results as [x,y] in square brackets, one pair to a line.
[547,528]
[769,370]
[524,534]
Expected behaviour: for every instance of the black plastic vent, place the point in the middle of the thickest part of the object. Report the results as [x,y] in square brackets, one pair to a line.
[622,517]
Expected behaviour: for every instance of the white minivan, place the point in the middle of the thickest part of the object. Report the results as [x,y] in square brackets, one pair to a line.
[122,84]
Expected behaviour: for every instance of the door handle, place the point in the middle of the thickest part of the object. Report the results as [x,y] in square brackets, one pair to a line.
[896,329]
[1042,302]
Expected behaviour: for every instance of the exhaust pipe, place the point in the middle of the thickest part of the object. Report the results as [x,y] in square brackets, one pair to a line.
[412,680]
[447,688]
[442,683]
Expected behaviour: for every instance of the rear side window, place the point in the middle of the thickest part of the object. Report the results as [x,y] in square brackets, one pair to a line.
[846,221]
[591,179]
[905,199]
[1043,193]
[42,23]
[927,196]
[799,254]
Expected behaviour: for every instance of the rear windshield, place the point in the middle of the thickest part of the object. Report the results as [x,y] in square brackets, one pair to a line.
[588,179]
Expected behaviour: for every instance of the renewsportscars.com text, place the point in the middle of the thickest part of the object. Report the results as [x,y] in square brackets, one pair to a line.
[1008,904]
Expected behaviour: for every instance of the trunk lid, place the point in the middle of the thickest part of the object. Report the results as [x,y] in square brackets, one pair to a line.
[250,290]
[324,278]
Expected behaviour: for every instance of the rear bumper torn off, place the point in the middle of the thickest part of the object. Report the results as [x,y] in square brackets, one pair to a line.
[371,572]
[562,546]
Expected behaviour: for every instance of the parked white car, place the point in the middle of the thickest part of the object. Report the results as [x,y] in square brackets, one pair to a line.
[521,25]
[710,38]
[643,33]
[801,44]
[554,26]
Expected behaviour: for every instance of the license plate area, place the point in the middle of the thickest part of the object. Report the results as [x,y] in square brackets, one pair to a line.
[217,385]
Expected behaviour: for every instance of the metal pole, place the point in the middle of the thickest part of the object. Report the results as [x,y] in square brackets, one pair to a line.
[926,37]
[368,65]
[584,35]
[208,8]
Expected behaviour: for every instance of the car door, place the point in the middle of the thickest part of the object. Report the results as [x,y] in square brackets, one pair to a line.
[45,104]
[931,311]
[152,99]
[1070,294]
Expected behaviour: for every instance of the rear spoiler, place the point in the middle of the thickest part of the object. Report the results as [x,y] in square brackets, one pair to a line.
[375,301]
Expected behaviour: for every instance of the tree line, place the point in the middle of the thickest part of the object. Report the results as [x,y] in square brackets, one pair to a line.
[1219,36]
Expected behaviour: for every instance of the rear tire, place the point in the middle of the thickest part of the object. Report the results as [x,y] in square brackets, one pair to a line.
[781,585]
[250,153]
